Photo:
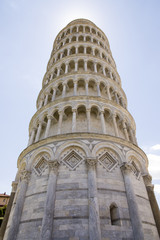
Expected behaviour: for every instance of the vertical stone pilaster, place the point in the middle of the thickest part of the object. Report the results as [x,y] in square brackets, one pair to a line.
[153,202]
[38,132]
[132,203]
[94,219]
[125,130]
[74,120]
[14,226]
[48,126]
[103,122]
[60,122]
[75,88]
[88,119]
[115,125]
[54,94]
[47,222]
[86,86]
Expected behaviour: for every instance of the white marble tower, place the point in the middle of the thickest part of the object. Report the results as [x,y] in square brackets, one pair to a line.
[82,175]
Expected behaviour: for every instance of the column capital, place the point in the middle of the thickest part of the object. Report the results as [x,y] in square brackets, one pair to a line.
[25,175]
[53,165]
[49,116]
[147,180]
[126,167]
[91,161]
[74,109]
[14,186]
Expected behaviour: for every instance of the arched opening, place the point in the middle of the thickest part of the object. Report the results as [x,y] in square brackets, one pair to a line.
[95,120]
[88,39]
[95,41]
[93,31]
[81,87]
[68,31]
[55,73]
[103,90]
[97,54]
[107,72]
[88,50]
[74,30]
[103,56]
[62,36]
[59,91]
[54,126]
[58,56]
[87,29]
[81,49]
[80,39]
[81,65]
[62,69]
[99,69]
[81,123]
[73,39]
[65,53]
[114,215]
[112,94]
[67,120]
[71,67]
[99,35]
[108,122]
[80,28]
[67,40]
[90,66]
[92,91]
[72,51]
[101,44]
[70,88]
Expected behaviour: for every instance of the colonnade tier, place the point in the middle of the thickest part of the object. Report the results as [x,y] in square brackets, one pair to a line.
[79,116]
[83,64]
[76,44]
[81,86]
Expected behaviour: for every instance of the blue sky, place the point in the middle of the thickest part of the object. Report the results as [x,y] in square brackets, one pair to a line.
[27,31]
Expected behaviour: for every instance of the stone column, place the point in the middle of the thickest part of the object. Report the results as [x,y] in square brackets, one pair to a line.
[98,90]
[110,74]
[86,88]
[94,219]
[131,134]
[48,126]
[38,132]
[47,221]
[132,203]
[66,68]
[103,122]
[115,125]
[64,90]
[68,51]
[88,120]
[76,66]
[74,120]
[85,66]
[125,130]
[54,94]
[84,50]
[60,122]
[41,103]
[14,225]
[46,99]
[95,67]
[116,97]
[108,93]
[8,210]
[32,136]
[153,202]
[75,88]
[58,72]
[76,50]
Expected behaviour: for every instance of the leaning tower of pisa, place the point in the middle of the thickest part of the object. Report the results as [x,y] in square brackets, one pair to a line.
[82,175]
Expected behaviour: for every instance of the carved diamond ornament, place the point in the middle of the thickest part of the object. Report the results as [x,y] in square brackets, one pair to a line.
[72,159]
[40,166]
[108,161]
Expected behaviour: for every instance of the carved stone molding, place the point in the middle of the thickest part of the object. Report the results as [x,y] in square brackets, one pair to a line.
[25,175]
[126,167]
[148,180]
[91,161]
[53,165]
[14,186]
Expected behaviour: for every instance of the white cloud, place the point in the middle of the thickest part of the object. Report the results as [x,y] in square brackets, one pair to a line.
[157,188]
[155,147]
[154,165]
